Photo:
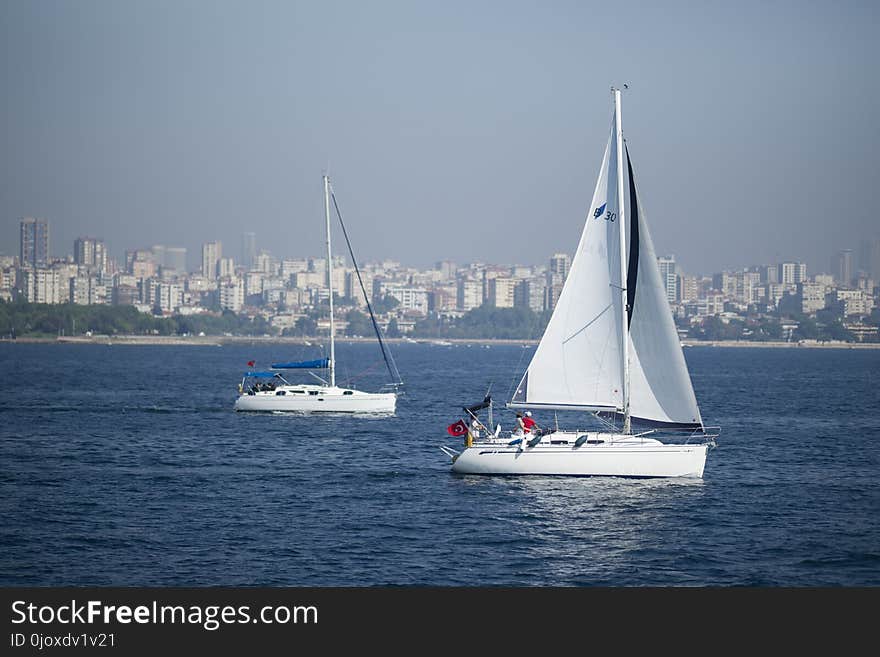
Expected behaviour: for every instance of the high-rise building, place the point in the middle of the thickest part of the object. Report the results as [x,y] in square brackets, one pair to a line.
[34,242]
[41,285]
[159,254]
[248,249]
[501,291]
[869,258]
[211,254]
[90,252]
[842,266]
[138,255]
[353,286]
[469,294]
[409,298]
[688,288]
[529,293]
[446,268]
[560,263]
[552,291]
[265,263]
[791,273]
[667,277]
[225,267]
[811,297]
[175,258]
[850,302]
[769,273]
[232,294]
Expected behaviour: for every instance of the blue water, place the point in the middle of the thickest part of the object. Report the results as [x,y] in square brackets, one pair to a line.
[125,465]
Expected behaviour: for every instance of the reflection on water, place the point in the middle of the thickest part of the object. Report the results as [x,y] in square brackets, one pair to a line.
[592,531]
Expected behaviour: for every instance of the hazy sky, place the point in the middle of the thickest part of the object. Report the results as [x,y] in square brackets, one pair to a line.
[462,130]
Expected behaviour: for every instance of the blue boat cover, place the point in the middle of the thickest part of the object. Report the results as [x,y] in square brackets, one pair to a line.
[303,365]
[261,375]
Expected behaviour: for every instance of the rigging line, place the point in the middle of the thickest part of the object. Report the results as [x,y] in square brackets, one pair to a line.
[522,352]
[355,377]
[587,325]
[514,382]
[386,353]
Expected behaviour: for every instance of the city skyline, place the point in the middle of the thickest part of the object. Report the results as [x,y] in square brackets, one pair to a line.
[286,294]
[154,123]
[859,253]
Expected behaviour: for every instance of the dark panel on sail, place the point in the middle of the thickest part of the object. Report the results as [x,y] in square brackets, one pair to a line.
[632,269]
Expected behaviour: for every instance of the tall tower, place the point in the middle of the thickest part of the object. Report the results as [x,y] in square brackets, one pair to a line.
[90,252]
[869,258]
[211,254]
[842,267]
[248,249]
[175,258]
[34,242]
[667,277]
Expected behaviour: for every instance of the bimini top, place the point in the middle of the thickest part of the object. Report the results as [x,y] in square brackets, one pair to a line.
[320,363]
[261,375]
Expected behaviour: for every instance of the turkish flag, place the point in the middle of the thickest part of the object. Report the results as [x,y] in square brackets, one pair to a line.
[457,429]
[251,363]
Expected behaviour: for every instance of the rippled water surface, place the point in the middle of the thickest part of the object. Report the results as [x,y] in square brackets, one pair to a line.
[126,465]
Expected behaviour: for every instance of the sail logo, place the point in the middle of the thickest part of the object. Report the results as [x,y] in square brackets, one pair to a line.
[609,216]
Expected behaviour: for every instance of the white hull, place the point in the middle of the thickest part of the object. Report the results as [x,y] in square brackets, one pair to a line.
[317,399]
[617,455]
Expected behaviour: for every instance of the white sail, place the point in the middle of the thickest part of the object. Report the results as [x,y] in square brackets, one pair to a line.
[610,347]
[660,387]
[579,361]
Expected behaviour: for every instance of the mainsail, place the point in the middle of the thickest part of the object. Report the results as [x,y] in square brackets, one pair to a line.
[595,354]
[579,362]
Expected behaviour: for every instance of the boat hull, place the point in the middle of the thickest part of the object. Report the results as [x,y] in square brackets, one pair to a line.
[614,458]
[324,401]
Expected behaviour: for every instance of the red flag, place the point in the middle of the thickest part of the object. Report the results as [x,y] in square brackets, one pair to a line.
[457,429]
[251,363]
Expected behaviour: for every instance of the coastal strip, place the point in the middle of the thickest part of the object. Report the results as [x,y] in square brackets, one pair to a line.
[217,341]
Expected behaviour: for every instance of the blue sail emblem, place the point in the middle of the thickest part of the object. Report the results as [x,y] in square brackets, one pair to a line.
[599,211]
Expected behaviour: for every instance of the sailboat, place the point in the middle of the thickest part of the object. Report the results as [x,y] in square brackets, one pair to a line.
[610,349]
[270,391]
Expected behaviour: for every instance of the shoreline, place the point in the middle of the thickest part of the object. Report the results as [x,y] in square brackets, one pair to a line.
[219,341]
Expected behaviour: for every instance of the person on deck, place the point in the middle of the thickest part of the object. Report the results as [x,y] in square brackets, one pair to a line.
[529,425]
[473,433]
[520,428]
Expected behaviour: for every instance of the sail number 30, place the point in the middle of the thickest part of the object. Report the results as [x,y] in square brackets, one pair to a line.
[609,215]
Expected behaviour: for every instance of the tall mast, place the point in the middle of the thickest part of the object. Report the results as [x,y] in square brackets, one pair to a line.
[330,282]
[621,212]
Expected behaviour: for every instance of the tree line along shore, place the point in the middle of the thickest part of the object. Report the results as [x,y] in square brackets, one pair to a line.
[68,323]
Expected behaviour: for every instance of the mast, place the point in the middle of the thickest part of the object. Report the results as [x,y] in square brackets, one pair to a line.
[330,283]
[622,220]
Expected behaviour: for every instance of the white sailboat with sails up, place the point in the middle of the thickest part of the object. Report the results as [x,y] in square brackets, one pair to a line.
[610,349]
[270,391]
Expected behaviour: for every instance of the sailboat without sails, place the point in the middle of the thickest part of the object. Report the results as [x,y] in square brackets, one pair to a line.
[270,391]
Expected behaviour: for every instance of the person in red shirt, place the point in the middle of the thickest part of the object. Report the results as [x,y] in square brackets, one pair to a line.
[529,425]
